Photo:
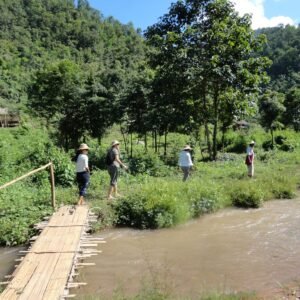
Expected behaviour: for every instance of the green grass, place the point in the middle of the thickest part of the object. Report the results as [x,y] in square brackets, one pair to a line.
[153,194]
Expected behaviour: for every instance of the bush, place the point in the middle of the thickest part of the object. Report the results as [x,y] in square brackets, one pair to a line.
[247,195]
[237,144]
[147,163]
[267,145]
[156,204]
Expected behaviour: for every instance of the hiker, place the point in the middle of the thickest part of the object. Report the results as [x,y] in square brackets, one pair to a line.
[185,161]
[82,171]
[250,159]
[114,162]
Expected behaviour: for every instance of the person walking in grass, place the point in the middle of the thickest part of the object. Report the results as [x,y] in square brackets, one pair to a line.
[114,162]
[82,171]
[185,161]
[250,158]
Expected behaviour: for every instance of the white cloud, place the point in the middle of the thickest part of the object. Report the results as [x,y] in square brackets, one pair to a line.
[256,9]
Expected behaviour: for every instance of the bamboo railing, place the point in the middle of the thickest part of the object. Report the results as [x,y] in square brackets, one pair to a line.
[50,165]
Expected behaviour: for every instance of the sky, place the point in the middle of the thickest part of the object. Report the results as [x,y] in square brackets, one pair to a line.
[143,13]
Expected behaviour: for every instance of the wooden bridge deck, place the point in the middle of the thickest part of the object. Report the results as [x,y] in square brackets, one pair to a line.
[44,273]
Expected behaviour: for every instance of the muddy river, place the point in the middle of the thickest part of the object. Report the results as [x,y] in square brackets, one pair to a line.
[229,251]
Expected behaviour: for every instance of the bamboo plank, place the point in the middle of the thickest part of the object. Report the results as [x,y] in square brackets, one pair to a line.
[44,271]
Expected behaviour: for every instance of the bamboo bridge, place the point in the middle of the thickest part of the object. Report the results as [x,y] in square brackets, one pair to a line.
[48,268]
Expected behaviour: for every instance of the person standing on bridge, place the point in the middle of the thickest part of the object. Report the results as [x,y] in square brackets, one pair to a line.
[82,171]
[113,163]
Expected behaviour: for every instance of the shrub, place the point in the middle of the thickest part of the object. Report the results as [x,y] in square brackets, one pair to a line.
[147,163]
[247,195]
[237,144]
[156,204]
[280,186]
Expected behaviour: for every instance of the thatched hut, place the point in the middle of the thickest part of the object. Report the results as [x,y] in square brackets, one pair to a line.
[8,119]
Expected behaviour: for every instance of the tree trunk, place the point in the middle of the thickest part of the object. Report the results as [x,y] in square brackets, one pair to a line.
[216,119]
[146,142]
[206,129]
[155,141]
[124,138]
[165,144]
[131,145]
[272,136]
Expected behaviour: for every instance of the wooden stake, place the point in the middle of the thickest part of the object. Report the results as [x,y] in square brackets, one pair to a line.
[52,186]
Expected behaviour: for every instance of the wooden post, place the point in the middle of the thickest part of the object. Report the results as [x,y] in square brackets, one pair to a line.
[52,185]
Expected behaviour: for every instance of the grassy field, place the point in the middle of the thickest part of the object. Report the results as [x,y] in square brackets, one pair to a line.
[153,194]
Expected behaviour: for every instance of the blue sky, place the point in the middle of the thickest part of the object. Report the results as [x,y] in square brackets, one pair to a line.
[143,13]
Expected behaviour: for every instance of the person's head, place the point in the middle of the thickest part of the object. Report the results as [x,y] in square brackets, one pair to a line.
[251,144]
[187,148]
[115,144]
[83,148]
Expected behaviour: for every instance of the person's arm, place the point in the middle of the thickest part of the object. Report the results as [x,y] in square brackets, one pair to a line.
[117,158]
[190,159]
[86,163]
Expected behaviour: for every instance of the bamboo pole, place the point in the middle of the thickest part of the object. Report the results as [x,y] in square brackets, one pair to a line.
[52,185]
[24,176]
[50,164]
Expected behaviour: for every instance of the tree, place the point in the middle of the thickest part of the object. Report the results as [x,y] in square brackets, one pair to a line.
[292,104]
[56,96]
[283,49]
[100,105]
[210,50]
[271,109]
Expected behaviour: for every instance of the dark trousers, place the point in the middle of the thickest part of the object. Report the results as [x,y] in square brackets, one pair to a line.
[186,173]
[83,180]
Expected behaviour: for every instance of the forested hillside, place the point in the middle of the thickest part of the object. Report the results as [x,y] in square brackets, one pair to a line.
[39,35]
[283,48]
[81,72]
[73,74]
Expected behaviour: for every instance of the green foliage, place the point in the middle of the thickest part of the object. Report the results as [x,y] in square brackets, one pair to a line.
[271,109]
[247,195]
[292,104]
[283,49]
[156,207]
[20,208]
[25,203]
[147,163]
[230,296]
[235,142]
[211,79]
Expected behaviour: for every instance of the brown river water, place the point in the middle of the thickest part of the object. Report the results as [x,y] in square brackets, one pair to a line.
[229,251]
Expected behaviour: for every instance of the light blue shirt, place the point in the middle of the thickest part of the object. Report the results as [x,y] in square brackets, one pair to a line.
[185,159]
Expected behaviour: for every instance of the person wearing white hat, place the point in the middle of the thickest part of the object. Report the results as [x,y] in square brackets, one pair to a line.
[185,161]
[82,171]
[250,158]
[113,164]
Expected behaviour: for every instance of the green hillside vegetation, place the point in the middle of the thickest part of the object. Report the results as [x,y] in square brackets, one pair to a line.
[75,76]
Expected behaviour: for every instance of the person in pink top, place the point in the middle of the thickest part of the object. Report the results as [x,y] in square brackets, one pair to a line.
[250,159]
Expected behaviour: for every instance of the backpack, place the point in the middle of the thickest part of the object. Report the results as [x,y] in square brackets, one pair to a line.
[108,158]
